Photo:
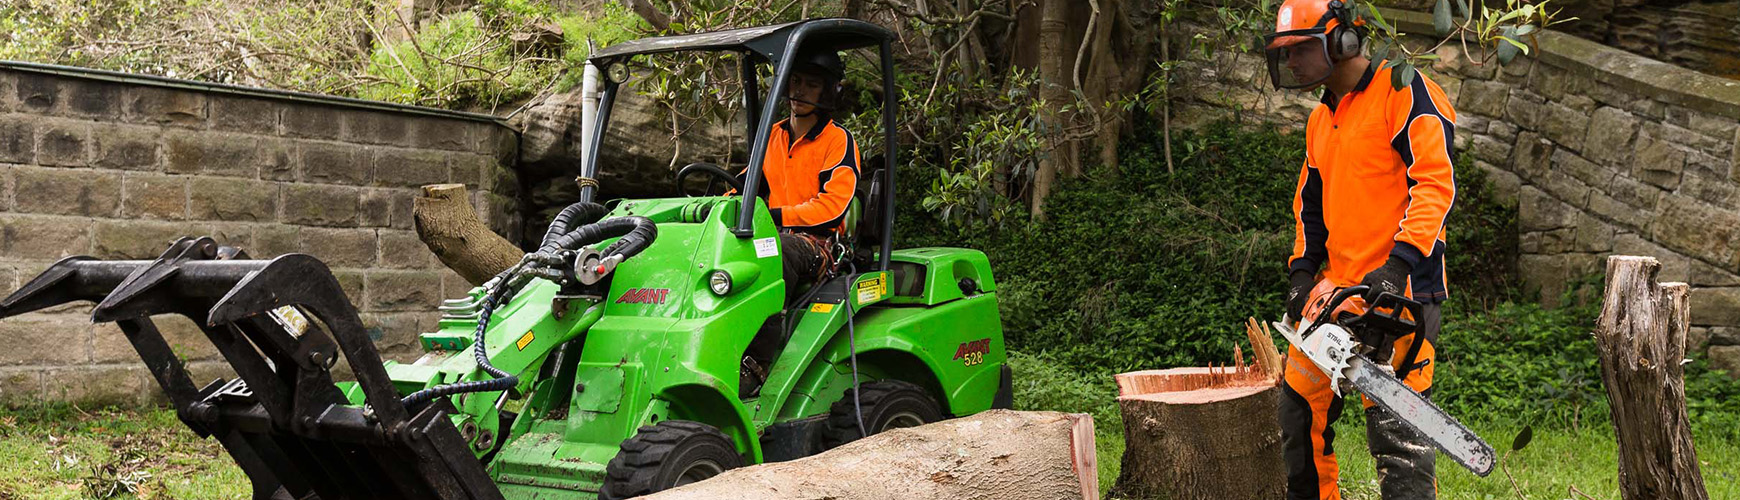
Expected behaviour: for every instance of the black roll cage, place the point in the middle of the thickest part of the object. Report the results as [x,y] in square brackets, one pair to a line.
[777,45]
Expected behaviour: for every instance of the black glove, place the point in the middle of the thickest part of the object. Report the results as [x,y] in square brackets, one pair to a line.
[1392,277]
[1299,284]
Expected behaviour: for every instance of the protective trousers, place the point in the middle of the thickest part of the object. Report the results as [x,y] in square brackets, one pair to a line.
[1309,409]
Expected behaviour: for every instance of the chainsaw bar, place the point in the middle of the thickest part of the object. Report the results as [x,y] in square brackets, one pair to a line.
[1328,348]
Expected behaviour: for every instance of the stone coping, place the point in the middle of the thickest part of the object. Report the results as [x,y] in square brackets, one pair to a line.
[1607,65]
[239,90]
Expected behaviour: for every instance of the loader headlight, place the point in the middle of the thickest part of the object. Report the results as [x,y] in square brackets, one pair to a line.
[719,282]
[617,72]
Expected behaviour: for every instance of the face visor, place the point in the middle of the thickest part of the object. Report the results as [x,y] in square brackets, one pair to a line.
[1298,59]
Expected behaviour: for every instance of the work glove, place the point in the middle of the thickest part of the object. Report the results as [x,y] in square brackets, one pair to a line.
[1299,284]
[1392,277]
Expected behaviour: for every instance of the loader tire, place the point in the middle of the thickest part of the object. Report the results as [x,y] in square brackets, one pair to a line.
[887,404]
[666,455]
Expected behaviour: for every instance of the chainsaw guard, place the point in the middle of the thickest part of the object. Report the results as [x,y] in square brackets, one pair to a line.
[283,420]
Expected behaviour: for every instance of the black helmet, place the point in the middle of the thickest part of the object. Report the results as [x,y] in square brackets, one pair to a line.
[825,62]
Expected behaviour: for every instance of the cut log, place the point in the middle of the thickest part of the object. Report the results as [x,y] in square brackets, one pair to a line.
[449,226]
[1641,335]
[998,454]
[1197,432]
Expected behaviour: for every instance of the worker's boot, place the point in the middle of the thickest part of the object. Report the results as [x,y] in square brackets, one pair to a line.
[1405,460]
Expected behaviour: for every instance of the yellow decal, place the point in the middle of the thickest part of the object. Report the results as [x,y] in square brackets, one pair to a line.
[822,308]
[524,340]
[872,290]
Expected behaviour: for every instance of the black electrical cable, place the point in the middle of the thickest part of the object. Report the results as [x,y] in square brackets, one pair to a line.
[852,343]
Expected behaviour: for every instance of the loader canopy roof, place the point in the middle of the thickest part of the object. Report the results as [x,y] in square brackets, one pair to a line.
[767,41]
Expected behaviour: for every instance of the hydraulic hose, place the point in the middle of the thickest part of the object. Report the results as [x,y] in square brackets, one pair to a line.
[581,214]
[636,232]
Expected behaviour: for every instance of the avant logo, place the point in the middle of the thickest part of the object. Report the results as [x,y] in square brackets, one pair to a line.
[972,353]
[644,296]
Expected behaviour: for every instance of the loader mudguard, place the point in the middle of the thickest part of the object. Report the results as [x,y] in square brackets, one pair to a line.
[958,344]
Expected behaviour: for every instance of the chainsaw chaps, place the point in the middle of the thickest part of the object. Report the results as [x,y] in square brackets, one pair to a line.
[281,324]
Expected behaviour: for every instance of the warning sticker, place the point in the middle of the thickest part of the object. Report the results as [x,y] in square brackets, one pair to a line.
[524,340]
[766,247]
[872,290]
[822,307]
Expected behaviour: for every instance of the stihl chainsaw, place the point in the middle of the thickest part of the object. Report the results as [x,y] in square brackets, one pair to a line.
[1339,340]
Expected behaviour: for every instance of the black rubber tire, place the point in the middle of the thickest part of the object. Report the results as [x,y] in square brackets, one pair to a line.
[887,404]
[666,455]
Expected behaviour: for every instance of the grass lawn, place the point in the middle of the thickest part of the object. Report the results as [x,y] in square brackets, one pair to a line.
[65,452]
[1547,468]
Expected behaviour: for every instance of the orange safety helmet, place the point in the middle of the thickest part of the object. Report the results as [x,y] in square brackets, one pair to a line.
[1310,36]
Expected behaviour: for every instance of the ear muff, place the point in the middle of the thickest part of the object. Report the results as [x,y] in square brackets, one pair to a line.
[1347,38]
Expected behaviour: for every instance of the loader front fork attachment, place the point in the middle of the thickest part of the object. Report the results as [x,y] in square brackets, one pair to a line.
[281,324]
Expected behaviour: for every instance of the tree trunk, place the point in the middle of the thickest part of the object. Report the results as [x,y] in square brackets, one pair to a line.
[1207,433]
[1641,335]
[646,10]
[998,454]
[1054,67]
[448,224]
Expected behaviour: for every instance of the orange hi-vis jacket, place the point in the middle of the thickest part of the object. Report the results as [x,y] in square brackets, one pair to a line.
[809,182]
[1377,182]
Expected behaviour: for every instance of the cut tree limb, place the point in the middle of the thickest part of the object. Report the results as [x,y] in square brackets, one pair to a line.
[1641,335]
[995,455]
[1207,433]
[650,13]
[449,226]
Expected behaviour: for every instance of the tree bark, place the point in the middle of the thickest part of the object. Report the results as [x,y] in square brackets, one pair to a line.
[449,226]
[646,10]
[998,454]
[1641,335]
[1206,433]
[1054,67]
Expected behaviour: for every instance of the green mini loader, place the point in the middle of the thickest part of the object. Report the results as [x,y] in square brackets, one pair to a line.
[613,361]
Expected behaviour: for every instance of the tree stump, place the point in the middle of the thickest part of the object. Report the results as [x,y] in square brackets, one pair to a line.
[1207,433]
[449,226]
[1641,335]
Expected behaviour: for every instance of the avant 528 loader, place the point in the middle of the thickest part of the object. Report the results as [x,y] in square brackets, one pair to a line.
[612,362]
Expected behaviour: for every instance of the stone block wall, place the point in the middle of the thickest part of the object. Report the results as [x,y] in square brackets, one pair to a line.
[1604,151]
[117,167]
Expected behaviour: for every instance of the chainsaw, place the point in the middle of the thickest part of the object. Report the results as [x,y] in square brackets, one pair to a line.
[1340,340]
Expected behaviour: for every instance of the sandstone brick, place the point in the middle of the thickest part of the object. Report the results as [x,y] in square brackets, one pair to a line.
[320,205]
[1724,335]
[469,170]
[403,250]
[403,213]
[93,99]
[376,207]
[1697,340]
[244,114]
[1716,306]
[1532,154]
[1564,125]
[205,372]
[342,247]
[46,339]
[1725,358]
[272,240]
[1715,192]
[318,122]
[67,192]
[1713,125]
[123,239]
[396,333]
[1529,243]
[1501,130]
[434,133]
[1700,163]
[408,168]
[38,93]
[1565,188]
[126,147]
[63,144]
[17,141]
[503,181]
[1525,109]
[334,163]
[20,386]
[1609,136]
[162,106]
[1592,235]
[223,199]
[1646,107]
[378,128]
[1625,215]
[1538,211]
[1702,231]
[1674,266]
[42,237]
[1550,275]
[218,154]
[1583,170]
[1636,194]
[1489,149]
[1506,185]
[403,290]
[1658,162]
[1733,161]
[100,385]
[154,196]
[351,282]
[8,92]
[452,284]
[234,234]
[1556,241]
[1686,138]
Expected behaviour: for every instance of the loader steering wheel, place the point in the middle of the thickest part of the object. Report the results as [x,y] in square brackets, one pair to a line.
[714,173]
